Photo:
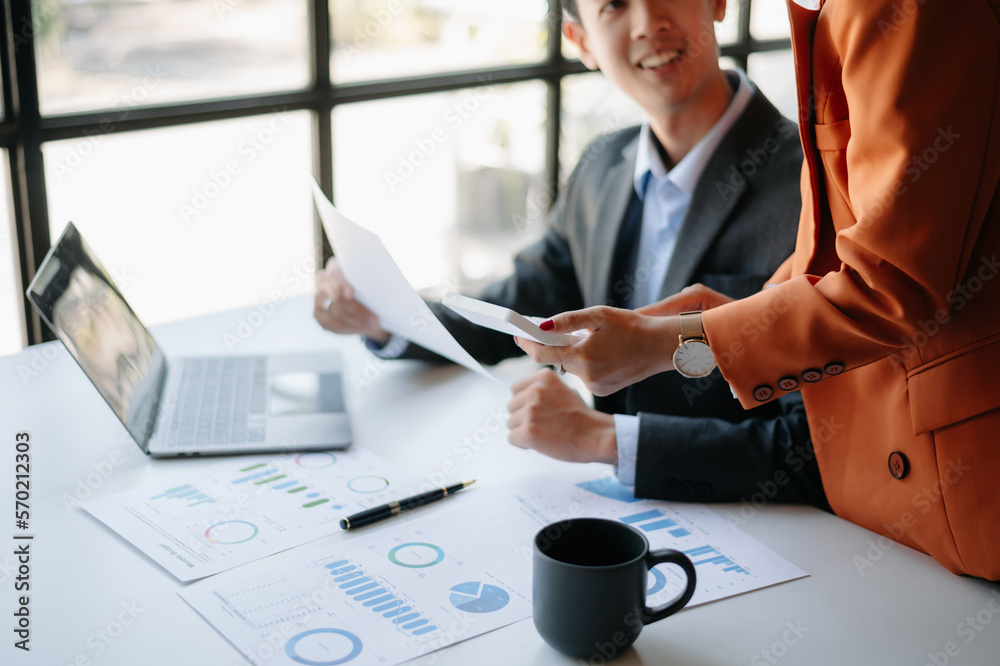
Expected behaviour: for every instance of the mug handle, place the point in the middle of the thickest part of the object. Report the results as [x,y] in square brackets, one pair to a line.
[670,556]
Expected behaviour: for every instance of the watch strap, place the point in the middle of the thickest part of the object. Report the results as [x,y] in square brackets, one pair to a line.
[691,327]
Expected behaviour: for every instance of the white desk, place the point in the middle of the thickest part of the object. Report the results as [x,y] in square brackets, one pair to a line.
[86,582]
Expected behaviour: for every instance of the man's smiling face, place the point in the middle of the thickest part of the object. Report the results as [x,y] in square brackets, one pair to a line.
[662,53]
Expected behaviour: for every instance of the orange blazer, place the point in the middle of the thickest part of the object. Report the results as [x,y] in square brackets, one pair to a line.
[887,315]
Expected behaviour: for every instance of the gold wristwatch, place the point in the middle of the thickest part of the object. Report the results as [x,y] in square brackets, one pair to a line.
[693,357]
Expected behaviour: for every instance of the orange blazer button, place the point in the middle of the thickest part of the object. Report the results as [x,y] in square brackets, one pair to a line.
[834,368]
[812,375]
[763,392]
[788,383]
[899,466]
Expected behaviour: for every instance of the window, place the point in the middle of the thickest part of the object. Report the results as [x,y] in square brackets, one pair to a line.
[120,54]
[177,134]
[377,39]
[183,239]
[10,299]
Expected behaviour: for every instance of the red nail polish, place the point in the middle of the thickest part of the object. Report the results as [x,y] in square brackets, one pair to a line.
[547,325]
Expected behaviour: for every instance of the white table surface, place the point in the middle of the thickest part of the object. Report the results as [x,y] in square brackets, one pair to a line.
[95,599]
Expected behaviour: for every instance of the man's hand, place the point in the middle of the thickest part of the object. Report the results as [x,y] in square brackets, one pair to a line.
[688,299]
[551,418]
[623,347]
[337,311]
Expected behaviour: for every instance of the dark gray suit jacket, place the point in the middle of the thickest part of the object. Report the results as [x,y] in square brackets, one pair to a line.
[696,442]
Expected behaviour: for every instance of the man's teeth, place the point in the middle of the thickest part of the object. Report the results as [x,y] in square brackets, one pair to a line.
[659,60]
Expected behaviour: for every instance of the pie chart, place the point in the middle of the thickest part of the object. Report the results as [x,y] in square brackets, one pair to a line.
[477,597]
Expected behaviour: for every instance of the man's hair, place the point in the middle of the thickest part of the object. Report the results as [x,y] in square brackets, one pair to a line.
[569,10]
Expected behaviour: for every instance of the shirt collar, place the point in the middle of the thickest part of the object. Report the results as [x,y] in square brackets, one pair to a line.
[686,173]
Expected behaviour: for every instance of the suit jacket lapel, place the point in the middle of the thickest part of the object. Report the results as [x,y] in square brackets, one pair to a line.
[719,189]
[613,199]
[803,27]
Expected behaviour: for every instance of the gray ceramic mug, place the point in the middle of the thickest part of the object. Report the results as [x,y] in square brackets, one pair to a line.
[589,586]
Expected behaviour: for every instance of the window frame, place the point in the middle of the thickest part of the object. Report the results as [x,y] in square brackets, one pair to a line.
[23,129]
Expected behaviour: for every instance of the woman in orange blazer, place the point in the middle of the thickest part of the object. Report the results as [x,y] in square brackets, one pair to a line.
[887,315]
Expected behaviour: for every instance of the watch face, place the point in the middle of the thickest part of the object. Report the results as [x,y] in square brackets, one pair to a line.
[694,359]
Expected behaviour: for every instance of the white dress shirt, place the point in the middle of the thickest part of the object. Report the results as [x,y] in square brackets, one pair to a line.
[666,196]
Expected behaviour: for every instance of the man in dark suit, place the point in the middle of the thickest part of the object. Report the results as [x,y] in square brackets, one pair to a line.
[707,191]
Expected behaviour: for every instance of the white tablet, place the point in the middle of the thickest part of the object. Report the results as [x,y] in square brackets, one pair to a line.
[505,320]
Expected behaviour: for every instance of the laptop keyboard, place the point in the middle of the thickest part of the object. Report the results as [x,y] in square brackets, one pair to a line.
[216,401]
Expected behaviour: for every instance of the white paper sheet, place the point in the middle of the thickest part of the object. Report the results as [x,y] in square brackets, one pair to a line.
[727,560]
[380,286]
[203,517]
[379,599]
[417,585]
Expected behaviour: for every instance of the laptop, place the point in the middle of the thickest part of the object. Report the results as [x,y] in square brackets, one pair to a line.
[185,406]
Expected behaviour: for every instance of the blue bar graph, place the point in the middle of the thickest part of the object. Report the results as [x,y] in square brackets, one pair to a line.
[657,525]
[608,487]
[362,588]
[394,613]
[188,493]
[640,517]
[378,600]
[680,532]
[652,520]
[370,593]
[354,581]
[406,618]
[719,559]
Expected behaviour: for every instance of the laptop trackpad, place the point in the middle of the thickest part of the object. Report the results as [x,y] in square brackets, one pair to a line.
[305,392]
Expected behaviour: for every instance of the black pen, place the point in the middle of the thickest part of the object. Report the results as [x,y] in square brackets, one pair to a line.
[392,508]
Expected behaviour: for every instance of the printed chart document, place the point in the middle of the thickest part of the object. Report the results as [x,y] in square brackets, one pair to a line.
[381,287]
[382,598]
[220,514]
[728,561]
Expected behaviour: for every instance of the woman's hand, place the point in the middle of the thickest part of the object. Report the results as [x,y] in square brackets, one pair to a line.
[622,347]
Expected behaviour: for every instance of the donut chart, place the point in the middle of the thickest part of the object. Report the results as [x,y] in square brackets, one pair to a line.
[323,647]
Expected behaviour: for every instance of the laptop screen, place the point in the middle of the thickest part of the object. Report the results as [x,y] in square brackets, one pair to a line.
[77,299]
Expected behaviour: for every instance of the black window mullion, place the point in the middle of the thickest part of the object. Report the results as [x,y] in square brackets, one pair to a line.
[322,122]
[743,38]
[27,171]
[553,122]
